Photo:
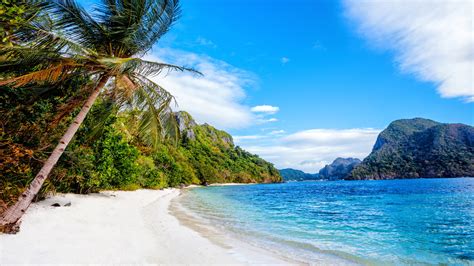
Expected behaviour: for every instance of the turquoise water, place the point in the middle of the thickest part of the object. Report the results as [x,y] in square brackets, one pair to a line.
[409,222]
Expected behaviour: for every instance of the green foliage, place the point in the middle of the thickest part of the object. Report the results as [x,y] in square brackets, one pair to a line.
[216,160]
[148,175]
[64,42]
[13,15]
[27,130]
[115,160]
[108,153]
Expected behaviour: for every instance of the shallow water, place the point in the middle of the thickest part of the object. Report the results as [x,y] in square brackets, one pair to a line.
[415,221]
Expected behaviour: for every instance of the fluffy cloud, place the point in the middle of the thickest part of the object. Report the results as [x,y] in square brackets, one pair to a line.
[328,137]
[432,39]
[284,60]
[267,109]
[310,150]
[216,97]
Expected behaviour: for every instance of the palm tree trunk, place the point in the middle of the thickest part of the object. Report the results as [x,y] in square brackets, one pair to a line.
[10,220]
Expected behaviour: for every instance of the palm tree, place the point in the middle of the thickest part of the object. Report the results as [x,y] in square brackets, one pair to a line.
[104,46]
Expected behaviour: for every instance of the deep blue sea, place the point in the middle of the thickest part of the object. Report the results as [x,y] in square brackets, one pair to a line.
[400,222]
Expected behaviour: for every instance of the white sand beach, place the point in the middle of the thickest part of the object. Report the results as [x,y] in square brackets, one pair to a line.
[119,228]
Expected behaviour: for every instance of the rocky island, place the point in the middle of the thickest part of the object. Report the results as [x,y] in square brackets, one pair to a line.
[339,168]
[414,148]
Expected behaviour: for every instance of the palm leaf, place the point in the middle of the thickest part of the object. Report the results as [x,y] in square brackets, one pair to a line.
[149,68]
[134,26]
[80,27]
[52,74]
[156,121]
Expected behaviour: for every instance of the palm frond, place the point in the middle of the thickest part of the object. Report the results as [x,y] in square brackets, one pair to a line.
[52,74]
[42,35]
[127,66]
[16,58]
[159,20]
[123,90]
[134,26]
[157,122]
[149,68]
[69,41]
[121,19]
[73,21]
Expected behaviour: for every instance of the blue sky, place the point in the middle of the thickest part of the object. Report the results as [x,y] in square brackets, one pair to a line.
[325,76]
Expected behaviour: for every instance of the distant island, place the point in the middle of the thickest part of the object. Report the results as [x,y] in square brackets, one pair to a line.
[414,148]
[407,148]
[337,170]
[290,174]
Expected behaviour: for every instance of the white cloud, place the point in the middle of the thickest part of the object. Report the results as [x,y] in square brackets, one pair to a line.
[432,39]
[310,150]
[216,97]
[205,42]
[247,137]
[269,120]
[277,132]
[284,60]
[321,137]
[267,109]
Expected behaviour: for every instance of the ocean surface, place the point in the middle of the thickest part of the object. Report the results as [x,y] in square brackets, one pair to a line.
[399,222]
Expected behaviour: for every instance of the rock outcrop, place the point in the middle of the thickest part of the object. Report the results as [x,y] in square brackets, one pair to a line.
[339,168]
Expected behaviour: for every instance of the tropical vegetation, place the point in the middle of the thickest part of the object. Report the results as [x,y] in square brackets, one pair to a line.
[103,48]
[116,157]
[60,63]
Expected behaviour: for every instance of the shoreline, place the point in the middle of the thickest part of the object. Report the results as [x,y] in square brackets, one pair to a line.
[231,184]
[226,237]
[248,252]
[123,227]
[220,185]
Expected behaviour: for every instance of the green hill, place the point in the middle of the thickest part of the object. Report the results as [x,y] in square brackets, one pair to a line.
[413,148]
[213,157]
[290,174]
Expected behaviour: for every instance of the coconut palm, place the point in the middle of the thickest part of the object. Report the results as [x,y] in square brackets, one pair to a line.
[104,46]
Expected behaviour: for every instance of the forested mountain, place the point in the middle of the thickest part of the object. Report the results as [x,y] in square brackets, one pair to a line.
[290,174]
[412,148]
